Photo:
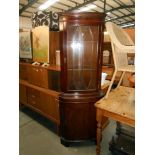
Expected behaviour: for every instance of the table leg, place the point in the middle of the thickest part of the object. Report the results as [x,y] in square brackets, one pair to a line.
[100,120]
[99,137]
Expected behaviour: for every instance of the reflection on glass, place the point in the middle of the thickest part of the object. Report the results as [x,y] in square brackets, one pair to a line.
[82,47]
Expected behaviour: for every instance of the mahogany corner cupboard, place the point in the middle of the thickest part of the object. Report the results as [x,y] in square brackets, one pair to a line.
[81,46]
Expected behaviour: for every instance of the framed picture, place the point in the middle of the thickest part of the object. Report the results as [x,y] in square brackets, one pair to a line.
[25,50]
[40,44]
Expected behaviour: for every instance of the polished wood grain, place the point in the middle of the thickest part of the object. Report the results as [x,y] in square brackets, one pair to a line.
[41,100]
[81,38]
[44,90]
[23,72]
[50,106]
[54,67]
[38,76]
[33,96]
[37,94]
[120,106]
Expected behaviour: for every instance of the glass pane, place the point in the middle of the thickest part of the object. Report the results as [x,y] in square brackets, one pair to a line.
[82,48]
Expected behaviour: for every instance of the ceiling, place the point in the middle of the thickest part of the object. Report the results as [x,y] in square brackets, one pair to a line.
[121,12]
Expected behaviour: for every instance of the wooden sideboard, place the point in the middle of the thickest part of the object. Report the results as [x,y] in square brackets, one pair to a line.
[39,91]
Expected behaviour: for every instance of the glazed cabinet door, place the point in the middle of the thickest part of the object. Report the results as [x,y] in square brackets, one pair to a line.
[82,57]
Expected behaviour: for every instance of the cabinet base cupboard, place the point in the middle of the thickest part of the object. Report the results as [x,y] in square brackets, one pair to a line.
[81,46]
[78,117]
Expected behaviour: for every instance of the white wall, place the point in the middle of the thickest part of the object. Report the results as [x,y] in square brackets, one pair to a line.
[25,23]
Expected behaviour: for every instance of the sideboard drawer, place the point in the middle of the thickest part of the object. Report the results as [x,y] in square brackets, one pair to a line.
[33,97]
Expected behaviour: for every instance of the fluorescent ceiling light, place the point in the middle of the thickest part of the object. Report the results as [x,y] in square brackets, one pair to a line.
[91,6]
[111,18]
[108,13]
[127,25]
[47,4]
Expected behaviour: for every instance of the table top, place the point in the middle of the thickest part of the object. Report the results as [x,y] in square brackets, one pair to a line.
[120,102]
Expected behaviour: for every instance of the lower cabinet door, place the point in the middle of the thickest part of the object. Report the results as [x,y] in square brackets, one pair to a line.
[23,72]
[50,106]
[38,76]
[22,94]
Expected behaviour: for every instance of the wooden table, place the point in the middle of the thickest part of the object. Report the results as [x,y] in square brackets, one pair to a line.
[120,106]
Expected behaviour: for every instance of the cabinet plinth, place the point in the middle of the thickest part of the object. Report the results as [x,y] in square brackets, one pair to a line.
[81,38]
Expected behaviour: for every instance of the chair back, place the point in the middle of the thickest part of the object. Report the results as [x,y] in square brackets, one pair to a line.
[119,38]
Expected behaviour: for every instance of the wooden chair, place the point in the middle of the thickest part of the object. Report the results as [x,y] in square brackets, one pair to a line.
[121,45]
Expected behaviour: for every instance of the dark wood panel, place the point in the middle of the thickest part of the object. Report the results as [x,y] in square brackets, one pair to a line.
[81,38]
[23,72]
[54,80]
[78,121]
[53,46]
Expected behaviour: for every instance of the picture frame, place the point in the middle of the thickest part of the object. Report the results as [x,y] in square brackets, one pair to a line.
[25,46]
[40,44]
